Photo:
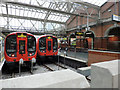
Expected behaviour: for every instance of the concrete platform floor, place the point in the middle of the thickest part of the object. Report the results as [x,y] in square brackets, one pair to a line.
[78,55]
[58,79]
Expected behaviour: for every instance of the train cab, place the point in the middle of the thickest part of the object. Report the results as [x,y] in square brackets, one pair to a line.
[18,46]
[47,45]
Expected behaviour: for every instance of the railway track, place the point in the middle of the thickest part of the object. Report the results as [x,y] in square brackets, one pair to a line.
[59,65]
[49,68]
[41,67]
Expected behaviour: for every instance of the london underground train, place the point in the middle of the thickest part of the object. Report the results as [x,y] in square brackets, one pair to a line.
[47,45]
[20,46]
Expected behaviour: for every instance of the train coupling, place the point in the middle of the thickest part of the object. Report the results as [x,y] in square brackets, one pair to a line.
[33,60]
[21,61]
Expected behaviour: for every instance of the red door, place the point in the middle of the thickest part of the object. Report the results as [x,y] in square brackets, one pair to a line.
[22,48]
[49,45]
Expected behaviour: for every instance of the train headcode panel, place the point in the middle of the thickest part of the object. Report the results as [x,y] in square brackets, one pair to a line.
[22,35]
[49,38]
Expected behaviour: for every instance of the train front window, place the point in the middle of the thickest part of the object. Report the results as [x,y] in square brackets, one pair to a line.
[31,44]
[21,46]
[11,44]
[42,43]
[55,44]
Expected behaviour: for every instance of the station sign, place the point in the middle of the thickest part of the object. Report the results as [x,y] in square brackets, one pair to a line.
[64,38]
[79,33]
[116,18]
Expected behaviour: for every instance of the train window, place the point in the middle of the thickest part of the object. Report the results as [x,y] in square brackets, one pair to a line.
[11,44]
[42,43]
[49,45]
[55,44]
[21,46]
[31,44]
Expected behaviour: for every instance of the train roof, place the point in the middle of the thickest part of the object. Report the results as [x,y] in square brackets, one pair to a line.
[19,32]
[44,36]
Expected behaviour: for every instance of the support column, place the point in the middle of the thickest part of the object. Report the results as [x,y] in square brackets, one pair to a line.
[118,8]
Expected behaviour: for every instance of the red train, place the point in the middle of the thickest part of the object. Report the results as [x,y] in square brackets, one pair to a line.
[47,45]
[20,45]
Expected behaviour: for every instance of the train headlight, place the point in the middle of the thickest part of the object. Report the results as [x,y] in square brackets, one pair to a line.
[13,55]
[55,50]
[30,54]
[43,51]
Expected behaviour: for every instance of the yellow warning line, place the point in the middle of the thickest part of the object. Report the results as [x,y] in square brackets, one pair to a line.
[2,58]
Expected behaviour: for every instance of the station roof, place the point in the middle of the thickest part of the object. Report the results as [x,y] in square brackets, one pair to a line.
[41,15]
[96,2]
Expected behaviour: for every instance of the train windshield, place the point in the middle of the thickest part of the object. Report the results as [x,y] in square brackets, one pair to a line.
[11,44]
[31,44]
[55,44]
[42,43]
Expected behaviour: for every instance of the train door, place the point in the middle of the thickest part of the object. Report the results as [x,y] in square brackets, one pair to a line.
[49,45]
[22,47]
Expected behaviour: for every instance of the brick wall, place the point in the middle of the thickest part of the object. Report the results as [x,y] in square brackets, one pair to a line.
[108,9]
[95,56]
[98,29]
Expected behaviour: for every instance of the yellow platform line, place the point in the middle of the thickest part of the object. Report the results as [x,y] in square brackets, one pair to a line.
[2,58]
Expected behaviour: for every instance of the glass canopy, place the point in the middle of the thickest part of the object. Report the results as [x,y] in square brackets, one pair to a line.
[39,15]
[96,2]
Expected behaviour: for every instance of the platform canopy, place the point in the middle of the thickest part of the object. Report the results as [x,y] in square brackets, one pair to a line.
[49,16]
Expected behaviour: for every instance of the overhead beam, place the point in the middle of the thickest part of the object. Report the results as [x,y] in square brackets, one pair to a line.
[46,9]
[91,24]
[39,7]
[30,18]
[89,5]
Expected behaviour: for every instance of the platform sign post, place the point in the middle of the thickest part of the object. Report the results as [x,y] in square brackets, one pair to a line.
[32,62]
[19,69]
[75,52]
[58,57]
[64,57]
[20,63]
[92,44]
[31,70]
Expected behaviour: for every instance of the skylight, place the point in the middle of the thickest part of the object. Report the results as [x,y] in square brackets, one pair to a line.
[96,2]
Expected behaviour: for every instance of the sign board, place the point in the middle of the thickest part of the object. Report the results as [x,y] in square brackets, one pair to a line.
[73,41]
[115,17]
[64,38]
[79,33]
